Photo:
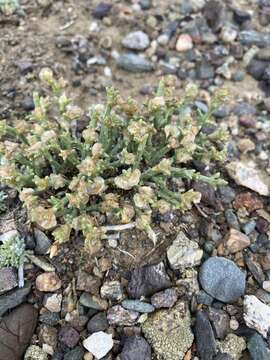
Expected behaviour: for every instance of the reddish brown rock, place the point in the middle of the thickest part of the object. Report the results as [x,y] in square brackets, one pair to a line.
[236,241]
[48,282]
[248,201]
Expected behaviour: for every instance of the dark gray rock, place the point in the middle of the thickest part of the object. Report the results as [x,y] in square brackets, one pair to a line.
[214,13]
[75,354]
[102,10]
[43,243]
[205,71]
[69,336]
[252,37]
[205,339]
[136,305]
[222,279]
[8,279]
[258,348]
[232,219]
[244,109]
[223,356]
[146,4]
[254,267]
[25,66]
[98,323]
[136,348]
[220,322]
[134,63]
[16,331]
[28,103]
[203,298]
[227,194]
[49,318]
[13,298]
[148,280]
[241,16]
[256,68]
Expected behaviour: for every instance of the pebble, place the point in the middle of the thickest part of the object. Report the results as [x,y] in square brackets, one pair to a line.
[112,290]
[164,299]
[97,323]
[35,353]
[249,227]
[203,298]
[222,279]
[16,331]
[257,348]
[248,175]
[99,344]
[233,345]
[74,354]
[266,285]
[28,103]
[220,322]
[136,348]
[223,356]
[205,339]
[48,282]
[228,34]
[87,282]
[8,279]
[236,241]
[148,280]
[43,243]
[93,302]
[69,336]
[134,63]
[14,298]
[257,315]
[205,71]
[49,318]
[137,40]
[232,219]
[252,37]
[162,330]
[184,43]
[53,302]
[101,10]
[8,235]
[139,306]
[119,316]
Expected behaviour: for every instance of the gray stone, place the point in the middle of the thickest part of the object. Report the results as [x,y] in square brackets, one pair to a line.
[112,290]
[69,336]
[35,353]
[119,316]
[220,322]
[87,282]
[14,298]
[139,306]
[134,63]
[205,71]
[164,299]
[16,331]
[137,40]
[97,323]
[258,348]
[90,302]
[222,279]
[8,279]
[252,37]
[223,356]
[136,348]
[184,253]
[256,68]
[49,318]
[169,332]
[43,243]
[75,354]
[205,339]
[148,280]
[203,298]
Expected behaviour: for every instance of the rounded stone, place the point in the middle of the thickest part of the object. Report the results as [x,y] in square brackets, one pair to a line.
[222,279]
[48,282]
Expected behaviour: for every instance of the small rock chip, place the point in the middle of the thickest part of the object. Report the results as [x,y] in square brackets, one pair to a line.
[14,298]
[222,279]
[169,332]
[69,336]
[93,302]
[266,285]
[97,323]
[257,315]
[74,354]
[43,243]
[16,331]
[112,290]
[233,345]
[205,339]
[35,353]
[137,305]
[248,201]
[87,282]
[164,299]
[136,348]
[102,10]
[137,40]
[99,344]
[48,282]
[53,302]
[184,253]
[184,43]
[8,279]
[248,175]
[236,241]
[119,316]
[134,63]
[220,322]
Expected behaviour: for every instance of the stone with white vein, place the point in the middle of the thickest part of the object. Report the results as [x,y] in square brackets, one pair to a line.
[257,315]
[99,344]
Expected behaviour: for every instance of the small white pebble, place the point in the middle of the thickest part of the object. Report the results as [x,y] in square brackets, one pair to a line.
[234,324]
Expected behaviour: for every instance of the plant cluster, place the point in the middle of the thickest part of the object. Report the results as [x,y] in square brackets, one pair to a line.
[8,6]
[12,252]
[118,169]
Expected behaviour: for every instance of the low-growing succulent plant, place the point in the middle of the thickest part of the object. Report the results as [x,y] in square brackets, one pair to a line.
[8,6]
[12,252]
[118,169]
